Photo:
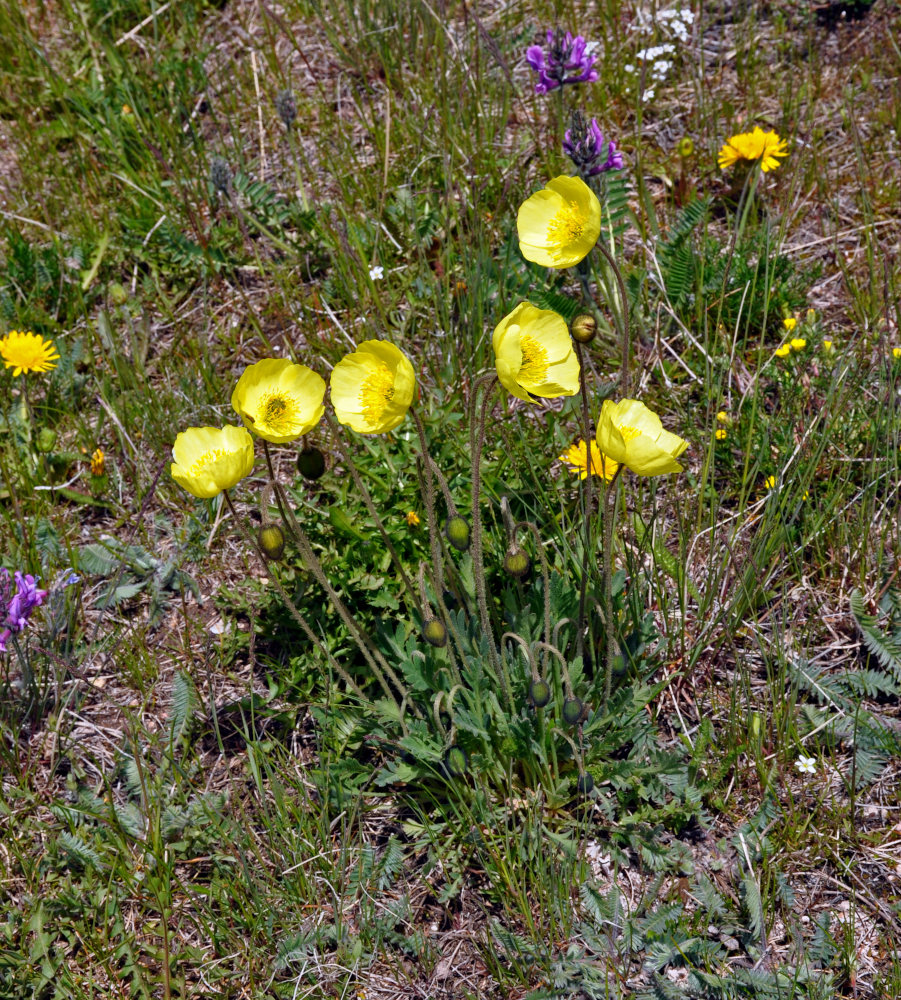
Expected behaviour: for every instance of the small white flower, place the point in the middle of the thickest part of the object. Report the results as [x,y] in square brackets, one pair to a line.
[806,765]
[376,272]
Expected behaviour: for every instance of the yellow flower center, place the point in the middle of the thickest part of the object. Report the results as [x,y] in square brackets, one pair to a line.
[277,412]
[376,392]
[207,458]
[567,225]
[533,370]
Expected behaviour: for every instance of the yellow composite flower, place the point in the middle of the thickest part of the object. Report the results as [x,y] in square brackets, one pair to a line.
[27,352]
[756,145]
[278,400]
[576,458]
[373,387]
[633,435]
[534,354]
[559,225]
[209,460]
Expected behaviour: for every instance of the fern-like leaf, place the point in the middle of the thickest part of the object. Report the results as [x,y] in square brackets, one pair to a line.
[885,648]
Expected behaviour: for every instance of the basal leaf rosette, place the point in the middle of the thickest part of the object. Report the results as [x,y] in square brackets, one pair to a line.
[631,434]
[278,400]
[373,387]
[559,225]
[534,354]
[209,460]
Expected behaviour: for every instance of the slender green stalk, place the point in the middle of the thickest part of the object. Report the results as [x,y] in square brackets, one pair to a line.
[586,496]
[477,556]
[608,510]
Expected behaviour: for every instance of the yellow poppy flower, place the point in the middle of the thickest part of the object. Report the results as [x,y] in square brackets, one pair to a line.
[279,401]
[577,459]
[209,460]
[559,225]
[633,435]
[756,145]
[373,387]
[534,354]
[28,352]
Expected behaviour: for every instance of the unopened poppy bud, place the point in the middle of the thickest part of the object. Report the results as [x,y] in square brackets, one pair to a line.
[46,439]
[585,783]
[434,632]
[517,563]
[271,539]
[457,530]
[311,463]
[286,107]
[118,294]
[573,710]
[539,693]
[456,762]
[220,174]
[584,328]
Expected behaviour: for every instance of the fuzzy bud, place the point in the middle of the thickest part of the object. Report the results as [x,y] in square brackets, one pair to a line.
[539,693]
[46,440]
[118,294]
[311,463]
[585,783]
[573,711]
[517,563]
[285,107]
[458,531]
[584,328]
[456,763]
[434,632]
[271,540]
[220,174]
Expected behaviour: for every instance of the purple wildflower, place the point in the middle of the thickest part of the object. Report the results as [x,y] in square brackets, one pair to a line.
[565,61]
[16,609]
[585,146]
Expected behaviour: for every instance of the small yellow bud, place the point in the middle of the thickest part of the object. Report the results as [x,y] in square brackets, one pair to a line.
[413,519]
[686,146]
[584,328]
[271,539]
[98,461]
[828,347]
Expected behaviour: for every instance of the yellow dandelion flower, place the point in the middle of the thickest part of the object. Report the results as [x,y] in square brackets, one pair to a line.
[752,146]
[721,433]
[209,460]
[27,352]
[789,323]
[279,401]
[633,435]
[576,457]
[534,354]
[373,387]
[783,351]
[98,463]
[559,225]
[798,343]
[413,519]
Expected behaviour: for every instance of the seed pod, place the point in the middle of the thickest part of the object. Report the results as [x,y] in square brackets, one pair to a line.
[585,783]
[456,763]
[584,328]
[458,531]
[434,632]
[311,463]
[517,564]
[573,708]
[271,540]
[539,693]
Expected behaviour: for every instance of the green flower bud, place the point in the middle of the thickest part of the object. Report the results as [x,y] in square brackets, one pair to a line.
[118,294]
[434,632]
[46,439]
[456,762]
[517,564]
[271,540]
[539,693]
[585,783]
[573,709]
[457,530]
[311,463]
[584,328]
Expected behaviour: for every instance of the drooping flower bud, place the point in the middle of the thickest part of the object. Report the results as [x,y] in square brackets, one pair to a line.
[434,632]
[220,174]
[584,328]
[271,540]
[458,532]
[573,711]
[517,563]
[539,693]
[311,463]
[286,107]
[585,783]
[456,763]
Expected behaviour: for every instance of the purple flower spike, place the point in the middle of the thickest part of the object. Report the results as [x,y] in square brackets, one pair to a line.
[565,61]
[585,146]
[16,609]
